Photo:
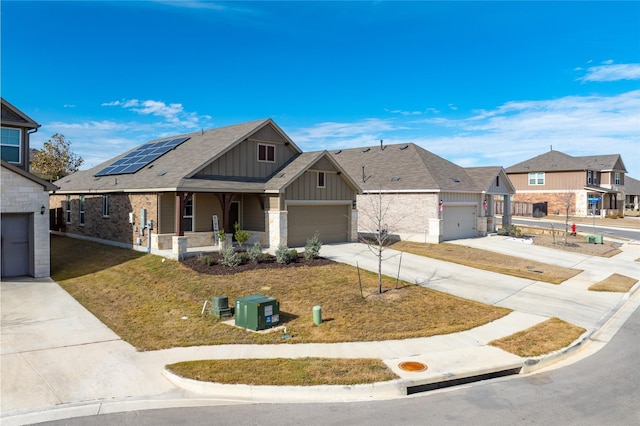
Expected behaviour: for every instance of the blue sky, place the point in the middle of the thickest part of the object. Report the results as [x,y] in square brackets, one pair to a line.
[478,83]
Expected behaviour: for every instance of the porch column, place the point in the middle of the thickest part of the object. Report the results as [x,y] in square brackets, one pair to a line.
[506,214]
[277,228]
[179,228]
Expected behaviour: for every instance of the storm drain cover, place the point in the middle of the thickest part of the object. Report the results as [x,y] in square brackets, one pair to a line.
[412,366]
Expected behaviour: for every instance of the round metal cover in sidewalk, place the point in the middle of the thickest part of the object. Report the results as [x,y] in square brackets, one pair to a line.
[412,366]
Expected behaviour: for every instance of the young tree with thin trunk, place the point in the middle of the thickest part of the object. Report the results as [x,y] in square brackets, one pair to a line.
[566,200]
[378,231]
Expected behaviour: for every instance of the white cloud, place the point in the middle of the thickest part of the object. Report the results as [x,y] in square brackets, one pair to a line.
[194,4]
[173,113]
[612,72]
[329,135]
[505,135]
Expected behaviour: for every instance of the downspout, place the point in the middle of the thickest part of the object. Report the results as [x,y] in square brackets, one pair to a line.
[28,146]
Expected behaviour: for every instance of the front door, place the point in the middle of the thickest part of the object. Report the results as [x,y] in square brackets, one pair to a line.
[234,216]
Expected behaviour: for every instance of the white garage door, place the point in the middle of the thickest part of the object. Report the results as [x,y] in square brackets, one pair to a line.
[331,222]
[16,249]
[459,222]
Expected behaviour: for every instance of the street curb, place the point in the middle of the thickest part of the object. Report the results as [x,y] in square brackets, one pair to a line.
[542,361]
[319,393]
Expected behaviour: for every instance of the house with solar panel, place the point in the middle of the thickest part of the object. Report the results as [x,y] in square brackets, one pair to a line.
[416,195]
[175,193]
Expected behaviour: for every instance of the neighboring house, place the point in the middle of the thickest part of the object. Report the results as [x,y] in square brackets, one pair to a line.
[588,185]
[185,186]
[421,196]
[24,199]
[632,193]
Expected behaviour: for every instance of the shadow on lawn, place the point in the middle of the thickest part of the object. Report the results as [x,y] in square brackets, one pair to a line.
[72,258]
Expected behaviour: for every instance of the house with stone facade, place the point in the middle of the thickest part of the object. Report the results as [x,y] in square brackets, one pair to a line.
[418,196]
[176,192]
[588,185]
[25,248]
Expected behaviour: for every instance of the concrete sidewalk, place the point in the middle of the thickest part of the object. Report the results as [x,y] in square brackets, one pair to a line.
[59,361]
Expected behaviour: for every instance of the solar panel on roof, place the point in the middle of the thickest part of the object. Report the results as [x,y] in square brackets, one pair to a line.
[139,158]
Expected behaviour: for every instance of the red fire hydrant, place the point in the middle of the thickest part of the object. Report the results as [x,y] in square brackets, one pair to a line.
[573,229]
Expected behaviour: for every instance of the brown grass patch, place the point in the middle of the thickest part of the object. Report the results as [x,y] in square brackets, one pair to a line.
[548,336]
[490,261]
[286,372]
[574,244]
[615,282]
[143,299]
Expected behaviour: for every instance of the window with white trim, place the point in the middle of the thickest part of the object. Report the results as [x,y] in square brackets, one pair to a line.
[10,145]
[266,152]
[616,178]
[81,209]
[187,217]
[105,205]
[322,183]
[67,213]
[536,178]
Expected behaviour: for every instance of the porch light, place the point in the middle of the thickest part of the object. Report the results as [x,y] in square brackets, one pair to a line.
[42,210]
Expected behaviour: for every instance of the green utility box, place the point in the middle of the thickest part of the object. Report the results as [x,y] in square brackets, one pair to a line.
[257,312]
[220,307]
[595,239]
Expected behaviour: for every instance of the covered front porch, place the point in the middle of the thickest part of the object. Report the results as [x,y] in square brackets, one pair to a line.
[190,220]
[604,202]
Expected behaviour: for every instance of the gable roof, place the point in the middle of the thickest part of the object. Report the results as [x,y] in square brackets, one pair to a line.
[556,161]
[604,163]
[631,186]
[406,168]
[47,186]
[12,116]
[176,168]
[299,165]
[485,177]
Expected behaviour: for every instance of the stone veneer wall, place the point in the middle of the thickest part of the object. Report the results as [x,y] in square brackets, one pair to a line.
[116,226]
[21,195]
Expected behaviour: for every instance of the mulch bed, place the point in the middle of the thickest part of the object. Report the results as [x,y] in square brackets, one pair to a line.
[267,262]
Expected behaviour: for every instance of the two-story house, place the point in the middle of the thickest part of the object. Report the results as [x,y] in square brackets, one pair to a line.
[176,192]
[25,199]
[588,185]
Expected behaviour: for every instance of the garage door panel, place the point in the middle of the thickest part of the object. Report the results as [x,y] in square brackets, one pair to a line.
[331,222]
[16,248]
[459,222]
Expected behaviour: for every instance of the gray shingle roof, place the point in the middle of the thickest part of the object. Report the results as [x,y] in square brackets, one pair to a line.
[175,168]
[631,186]
[403,167]
[555,161]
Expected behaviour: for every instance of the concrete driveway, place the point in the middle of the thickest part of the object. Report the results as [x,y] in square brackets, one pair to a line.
[55,352]
[59,361]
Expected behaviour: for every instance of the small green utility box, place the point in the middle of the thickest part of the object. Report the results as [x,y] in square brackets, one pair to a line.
[595,239]
[257,312]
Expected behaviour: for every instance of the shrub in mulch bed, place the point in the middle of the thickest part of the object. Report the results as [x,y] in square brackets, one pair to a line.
[209,263]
